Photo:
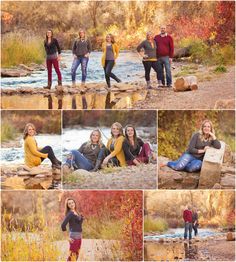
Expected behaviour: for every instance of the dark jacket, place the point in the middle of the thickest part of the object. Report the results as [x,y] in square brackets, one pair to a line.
[90,153]
[131,152]
[75,222]
[196,144]
[52,48]
[81,48]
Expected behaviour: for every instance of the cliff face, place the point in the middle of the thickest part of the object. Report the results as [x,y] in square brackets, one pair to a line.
[214,207]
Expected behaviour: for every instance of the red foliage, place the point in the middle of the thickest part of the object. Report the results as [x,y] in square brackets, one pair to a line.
[231,218]
[126,205]
[225,22]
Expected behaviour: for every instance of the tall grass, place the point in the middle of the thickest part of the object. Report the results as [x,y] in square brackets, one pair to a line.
[21,49]
[156,225]
[208,54]
[8,132]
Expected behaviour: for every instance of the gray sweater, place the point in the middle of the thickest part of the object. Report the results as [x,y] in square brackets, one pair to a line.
[149,50]
[90,151]
[196,143]
[81,48]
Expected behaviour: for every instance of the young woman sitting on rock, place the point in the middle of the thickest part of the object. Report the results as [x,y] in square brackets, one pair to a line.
[191,160]
[89,156]
[34,155]
[135,150]
[114,152]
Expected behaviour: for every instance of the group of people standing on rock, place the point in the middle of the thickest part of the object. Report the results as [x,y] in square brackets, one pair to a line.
[121,150]
[156,52]
[190,217]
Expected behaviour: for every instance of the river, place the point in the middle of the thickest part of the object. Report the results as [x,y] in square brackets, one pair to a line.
[128,68]
[16,155]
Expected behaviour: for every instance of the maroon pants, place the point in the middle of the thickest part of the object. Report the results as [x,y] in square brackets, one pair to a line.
[55,63]
[143,155]
[74,249]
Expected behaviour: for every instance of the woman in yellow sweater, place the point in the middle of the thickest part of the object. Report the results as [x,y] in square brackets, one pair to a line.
[114,152]
[110,53]
[35,155]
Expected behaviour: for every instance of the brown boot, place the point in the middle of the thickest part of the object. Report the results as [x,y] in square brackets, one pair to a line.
[59,83]
[48,86]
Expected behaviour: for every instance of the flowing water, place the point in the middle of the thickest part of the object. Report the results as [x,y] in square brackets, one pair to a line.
[156,251]
[128,68]
[16,155]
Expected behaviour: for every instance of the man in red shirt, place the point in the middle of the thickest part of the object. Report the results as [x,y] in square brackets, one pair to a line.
[188,219]
[165,53]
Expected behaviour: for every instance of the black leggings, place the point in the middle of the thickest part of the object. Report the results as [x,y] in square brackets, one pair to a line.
[147,67]
[109,64]
[48,150]
[114,161]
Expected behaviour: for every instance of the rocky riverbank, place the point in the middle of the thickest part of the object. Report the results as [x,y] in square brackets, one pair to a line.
[171,179]
[131,177]
[23,177]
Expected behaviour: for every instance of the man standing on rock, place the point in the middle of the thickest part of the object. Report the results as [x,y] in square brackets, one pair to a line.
[188,220]
[165,53]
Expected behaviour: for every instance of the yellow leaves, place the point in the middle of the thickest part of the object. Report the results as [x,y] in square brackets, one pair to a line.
[14,182]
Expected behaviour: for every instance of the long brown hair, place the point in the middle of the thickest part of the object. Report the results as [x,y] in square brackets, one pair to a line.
[46,39]
[67,209]
[112,38]
[25,132]
[201,129]
[135,134]
[119,127]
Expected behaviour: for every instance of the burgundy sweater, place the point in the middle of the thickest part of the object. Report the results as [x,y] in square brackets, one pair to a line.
[165,46]
[187,216]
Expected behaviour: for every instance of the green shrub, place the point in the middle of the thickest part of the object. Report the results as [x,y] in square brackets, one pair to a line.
[220,69]
[21,49]
[8,132]
[158,225]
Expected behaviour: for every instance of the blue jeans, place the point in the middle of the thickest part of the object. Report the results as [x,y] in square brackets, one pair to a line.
[186,162]
[77,61]
[188,229]
[79,161]
[164,62]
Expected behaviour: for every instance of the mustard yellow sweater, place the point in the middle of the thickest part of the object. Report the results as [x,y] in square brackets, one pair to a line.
[32,154]
[115,49]
[118,150]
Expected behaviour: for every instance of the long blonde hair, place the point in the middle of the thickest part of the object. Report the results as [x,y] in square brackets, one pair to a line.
[119,127]
[25,132]
[201,130]
[100,138]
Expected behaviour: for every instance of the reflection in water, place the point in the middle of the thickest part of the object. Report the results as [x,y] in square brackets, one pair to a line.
[108,100]
[169,251]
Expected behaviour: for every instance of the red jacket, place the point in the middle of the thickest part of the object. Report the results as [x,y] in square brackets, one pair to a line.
[187,216]
[165,45]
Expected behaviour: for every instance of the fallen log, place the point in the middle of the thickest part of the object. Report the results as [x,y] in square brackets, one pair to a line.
[185,83]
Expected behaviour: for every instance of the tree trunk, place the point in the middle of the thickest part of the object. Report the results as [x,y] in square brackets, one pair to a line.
[185,83]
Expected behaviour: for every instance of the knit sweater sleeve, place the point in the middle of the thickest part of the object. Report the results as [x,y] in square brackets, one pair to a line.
[81,149]
[33,147]
[216,144]
[192,144]
[126,148]
[118,146]
[140,46]
[74,48]
[58,47]
[116,50]
[66,221]
[171,43]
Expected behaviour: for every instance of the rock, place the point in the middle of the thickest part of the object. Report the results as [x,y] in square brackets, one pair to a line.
[38,183]
[228,155]
[228,169]
[24,67]
[39,170]
[14,73]
[217,186]
[22,173]
[230,236]
[228,182]
[81,172]
[177,177]
[211,167]
[40,176]
[37,67]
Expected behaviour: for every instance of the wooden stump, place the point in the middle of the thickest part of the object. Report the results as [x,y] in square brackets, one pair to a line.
[185,83]
[211,167]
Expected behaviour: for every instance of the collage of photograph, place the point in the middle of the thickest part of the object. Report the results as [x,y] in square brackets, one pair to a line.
[117,130]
